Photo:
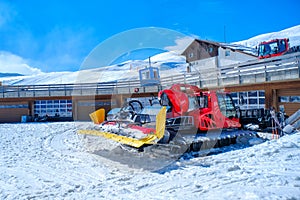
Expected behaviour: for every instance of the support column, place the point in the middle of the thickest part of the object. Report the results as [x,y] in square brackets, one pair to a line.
[31,108]
[119,99]
[271,99]
[75,108]
[275,99]
[268,97]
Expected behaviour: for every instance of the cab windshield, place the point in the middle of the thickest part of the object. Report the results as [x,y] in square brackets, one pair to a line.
[272,48]
[226,105]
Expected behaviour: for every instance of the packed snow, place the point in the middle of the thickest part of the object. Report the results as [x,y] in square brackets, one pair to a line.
[49,161]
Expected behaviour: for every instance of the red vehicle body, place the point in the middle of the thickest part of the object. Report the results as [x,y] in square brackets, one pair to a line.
[210,109]
[272,48]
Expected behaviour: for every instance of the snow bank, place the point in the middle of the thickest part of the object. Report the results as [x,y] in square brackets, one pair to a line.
[48,161]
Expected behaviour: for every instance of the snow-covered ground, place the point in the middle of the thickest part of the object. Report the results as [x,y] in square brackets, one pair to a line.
[49,161]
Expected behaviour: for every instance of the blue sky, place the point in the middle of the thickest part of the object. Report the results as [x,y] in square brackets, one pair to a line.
[58,35]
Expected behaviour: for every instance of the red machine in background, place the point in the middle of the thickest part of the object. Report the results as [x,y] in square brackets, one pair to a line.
[209,109]
[276,47]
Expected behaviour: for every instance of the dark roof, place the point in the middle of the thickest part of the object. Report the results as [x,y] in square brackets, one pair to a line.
[208,41]
[244,50]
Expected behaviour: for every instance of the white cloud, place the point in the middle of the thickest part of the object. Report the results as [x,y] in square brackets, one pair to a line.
[10,63]
[181,44]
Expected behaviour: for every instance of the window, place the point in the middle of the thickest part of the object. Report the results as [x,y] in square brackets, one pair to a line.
[252,94]
[234,95]
[252,101]
[193,103]
[261,101]
[226,104]
[261,93]
[52,107]
[146,75]
[191,55]
[203,101]
[227,53]
[283,99]
[14,106]
[289,99]
[249,99]
[155,74]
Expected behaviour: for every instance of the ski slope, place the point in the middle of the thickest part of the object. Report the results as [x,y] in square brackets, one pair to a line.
[168,62]
[292,33]
[49,161]
[123,71]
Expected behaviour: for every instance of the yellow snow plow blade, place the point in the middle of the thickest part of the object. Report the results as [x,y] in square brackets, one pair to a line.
[161,123]
[120,138]
[98,116]
[149,139]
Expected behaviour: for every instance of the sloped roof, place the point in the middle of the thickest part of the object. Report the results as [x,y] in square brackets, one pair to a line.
[237,48]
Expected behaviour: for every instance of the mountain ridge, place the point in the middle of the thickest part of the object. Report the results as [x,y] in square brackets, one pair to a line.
[128,69]
[2,75]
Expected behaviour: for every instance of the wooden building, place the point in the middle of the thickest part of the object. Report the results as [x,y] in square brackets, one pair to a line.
[203,54]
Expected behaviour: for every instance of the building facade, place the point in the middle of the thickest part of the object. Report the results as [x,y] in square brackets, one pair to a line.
[203,54]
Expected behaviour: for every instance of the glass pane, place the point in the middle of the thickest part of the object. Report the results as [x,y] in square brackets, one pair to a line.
[261,101]
[295,99]
[252,94]
[252,101]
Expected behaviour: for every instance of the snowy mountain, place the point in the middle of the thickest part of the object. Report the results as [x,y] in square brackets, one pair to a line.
[123,71]
[292,33]
[10,74]
[250,45]
[167,62]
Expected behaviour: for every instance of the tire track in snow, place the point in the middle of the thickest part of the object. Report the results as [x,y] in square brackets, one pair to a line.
[46,161]
[65,148]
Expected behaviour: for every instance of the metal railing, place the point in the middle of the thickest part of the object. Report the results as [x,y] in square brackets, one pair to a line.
[258,71]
